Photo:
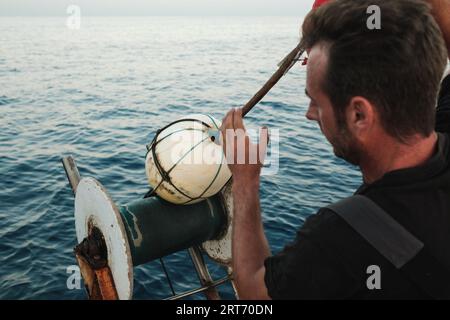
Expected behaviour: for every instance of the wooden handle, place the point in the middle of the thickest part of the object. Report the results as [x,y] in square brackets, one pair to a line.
[285,66]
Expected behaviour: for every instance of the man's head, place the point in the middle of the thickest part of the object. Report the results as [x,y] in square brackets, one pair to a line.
[368,84]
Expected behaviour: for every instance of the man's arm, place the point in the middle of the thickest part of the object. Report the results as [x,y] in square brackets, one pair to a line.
[250,247]
[249,243]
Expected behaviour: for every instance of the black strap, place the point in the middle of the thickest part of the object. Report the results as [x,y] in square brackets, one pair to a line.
[396,244]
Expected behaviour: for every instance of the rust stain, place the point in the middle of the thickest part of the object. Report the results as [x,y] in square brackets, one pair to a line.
[92,258]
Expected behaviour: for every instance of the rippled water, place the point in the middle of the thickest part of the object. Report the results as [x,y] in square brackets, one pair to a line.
[100,92]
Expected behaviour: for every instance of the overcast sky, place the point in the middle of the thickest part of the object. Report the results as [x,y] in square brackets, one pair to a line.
[156,7]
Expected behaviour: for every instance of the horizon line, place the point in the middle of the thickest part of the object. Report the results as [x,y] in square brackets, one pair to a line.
[157,15]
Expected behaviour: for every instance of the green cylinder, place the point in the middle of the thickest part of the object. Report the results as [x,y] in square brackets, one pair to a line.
[156,228]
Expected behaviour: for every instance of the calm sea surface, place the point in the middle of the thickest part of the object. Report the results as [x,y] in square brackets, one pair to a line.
[99,93]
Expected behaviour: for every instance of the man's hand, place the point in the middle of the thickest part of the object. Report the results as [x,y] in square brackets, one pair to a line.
[244,158]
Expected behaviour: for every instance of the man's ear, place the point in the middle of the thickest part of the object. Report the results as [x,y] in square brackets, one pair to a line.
[361,116]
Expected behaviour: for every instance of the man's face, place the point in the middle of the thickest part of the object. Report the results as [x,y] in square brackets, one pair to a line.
[320,109]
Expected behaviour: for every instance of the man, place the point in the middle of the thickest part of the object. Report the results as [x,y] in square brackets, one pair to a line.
[373,94]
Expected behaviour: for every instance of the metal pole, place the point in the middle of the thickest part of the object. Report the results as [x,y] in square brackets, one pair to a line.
[231,277]
[203,274]
[72,172]
[198,290]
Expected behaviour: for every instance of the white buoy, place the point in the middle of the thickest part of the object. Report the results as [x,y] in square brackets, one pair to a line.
[184,164]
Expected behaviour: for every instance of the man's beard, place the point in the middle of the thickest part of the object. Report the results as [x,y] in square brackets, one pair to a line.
[345,146]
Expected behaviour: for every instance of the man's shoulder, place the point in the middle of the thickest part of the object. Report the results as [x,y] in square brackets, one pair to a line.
[324,217]
[309,268]
[324,232]
[324,224]
[334,235]
[328,259]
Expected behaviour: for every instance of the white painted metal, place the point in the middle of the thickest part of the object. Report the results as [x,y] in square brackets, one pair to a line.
[187,147]
[94,207]
[220,250]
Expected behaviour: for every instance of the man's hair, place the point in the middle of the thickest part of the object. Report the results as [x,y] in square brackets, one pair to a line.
[398,67]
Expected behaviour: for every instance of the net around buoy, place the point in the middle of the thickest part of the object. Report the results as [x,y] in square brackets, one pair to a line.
[184,165]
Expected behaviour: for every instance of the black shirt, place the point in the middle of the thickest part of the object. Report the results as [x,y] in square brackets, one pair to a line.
[329,260]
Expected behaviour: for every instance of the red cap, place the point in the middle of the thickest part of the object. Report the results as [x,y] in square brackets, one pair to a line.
[318,3]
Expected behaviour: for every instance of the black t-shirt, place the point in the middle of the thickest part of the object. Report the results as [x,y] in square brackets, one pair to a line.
[329,260]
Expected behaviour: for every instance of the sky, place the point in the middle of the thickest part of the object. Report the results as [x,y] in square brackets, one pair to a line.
[156,7]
